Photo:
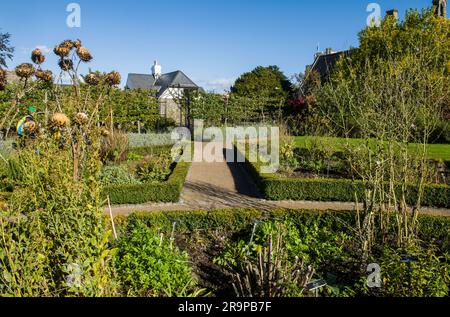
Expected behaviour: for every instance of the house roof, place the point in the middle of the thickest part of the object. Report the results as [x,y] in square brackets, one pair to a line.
[175,79]
[325,63]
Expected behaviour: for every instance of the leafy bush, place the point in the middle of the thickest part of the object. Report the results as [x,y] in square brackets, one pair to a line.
[117,175]
[428,276]
[150,265]
[154,169]
[168,191]
[325,240]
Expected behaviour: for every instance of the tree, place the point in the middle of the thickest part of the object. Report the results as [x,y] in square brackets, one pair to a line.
[268,86]
[267,82]
[392,90]
[6,50]
[421,33]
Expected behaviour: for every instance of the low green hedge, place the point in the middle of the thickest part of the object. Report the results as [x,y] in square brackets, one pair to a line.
[431,228]
[165,192]
[275,187]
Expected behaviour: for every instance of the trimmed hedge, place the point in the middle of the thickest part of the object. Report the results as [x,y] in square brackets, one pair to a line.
[165,192]
[432,228]
[275,187]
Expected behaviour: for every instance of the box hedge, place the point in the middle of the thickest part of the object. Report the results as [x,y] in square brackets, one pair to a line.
[433,229]
[276,187]
[165,192]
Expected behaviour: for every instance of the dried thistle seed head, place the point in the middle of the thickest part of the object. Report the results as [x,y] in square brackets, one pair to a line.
[77,43]
[60,120]
[105,133]
[44,75]
[84,54]
[68,43]
[25,70]
[62,51]
[30,127]
[37,56]
[113,78]
[66,64]
[92,79]
[81,118]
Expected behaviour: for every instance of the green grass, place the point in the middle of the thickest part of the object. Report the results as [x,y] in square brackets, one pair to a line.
[435,151]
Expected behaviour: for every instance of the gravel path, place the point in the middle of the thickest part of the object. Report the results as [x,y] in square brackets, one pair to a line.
[223,185]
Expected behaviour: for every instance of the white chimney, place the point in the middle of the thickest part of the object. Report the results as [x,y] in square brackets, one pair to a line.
[156,70]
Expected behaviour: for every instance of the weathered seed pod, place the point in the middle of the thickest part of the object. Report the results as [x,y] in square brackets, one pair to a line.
[84,54]
[62,51]
[66,64]
[81,118]
[92,79]
[44,75]
[25,70]
[68,43]
[60,120]
[113,78]
[77,43]
[30,127]
[105,133]
[37,56]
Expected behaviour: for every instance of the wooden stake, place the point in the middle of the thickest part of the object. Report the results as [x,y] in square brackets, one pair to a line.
[112,218]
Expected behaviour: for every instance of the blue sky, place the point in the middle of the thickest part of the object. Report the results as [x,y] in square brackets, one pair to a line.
[212,41]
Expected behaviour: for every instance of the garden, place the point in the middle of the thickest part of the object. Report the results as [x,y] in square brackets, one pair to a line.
[80,149]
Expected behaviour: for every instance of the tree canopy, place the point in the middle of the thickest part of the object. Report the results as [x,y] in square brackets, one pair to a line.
[269,82]
[6,50]
[419,45]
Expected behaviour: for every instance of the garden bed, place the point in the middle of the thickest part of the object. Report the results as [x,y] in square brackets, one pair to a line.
[279,187]
[147,176]
[216,241]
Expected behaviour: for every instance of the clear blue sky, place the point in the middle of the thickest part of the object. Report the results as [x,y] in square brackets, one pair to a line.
[212,41]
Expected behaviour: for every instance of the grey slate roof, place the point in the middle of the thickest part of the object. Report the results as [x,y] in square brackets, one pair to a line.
[325,63]
[175,79]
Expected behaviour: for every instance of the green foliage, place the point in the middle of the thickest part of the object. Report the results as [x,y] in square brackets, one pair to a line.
[275,187]
[117,175]
[399,64]
[150,265]
[268,82]
[6,50]
[54,241]
[168,191]
[155,169]
[325,240]
[430,274]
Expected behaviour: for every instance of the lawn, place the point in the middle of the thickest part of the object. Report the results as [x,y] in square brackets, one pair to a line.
[435,151]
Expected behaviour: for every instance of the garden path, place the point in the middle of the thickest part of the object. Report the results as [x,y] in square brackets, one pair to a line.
[223,185]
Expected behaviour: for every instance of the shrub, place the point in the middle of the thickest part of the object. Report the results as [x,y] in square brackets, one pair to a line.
[276,187]
[117,175]
[168,191]
[154,169]
[150,265]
